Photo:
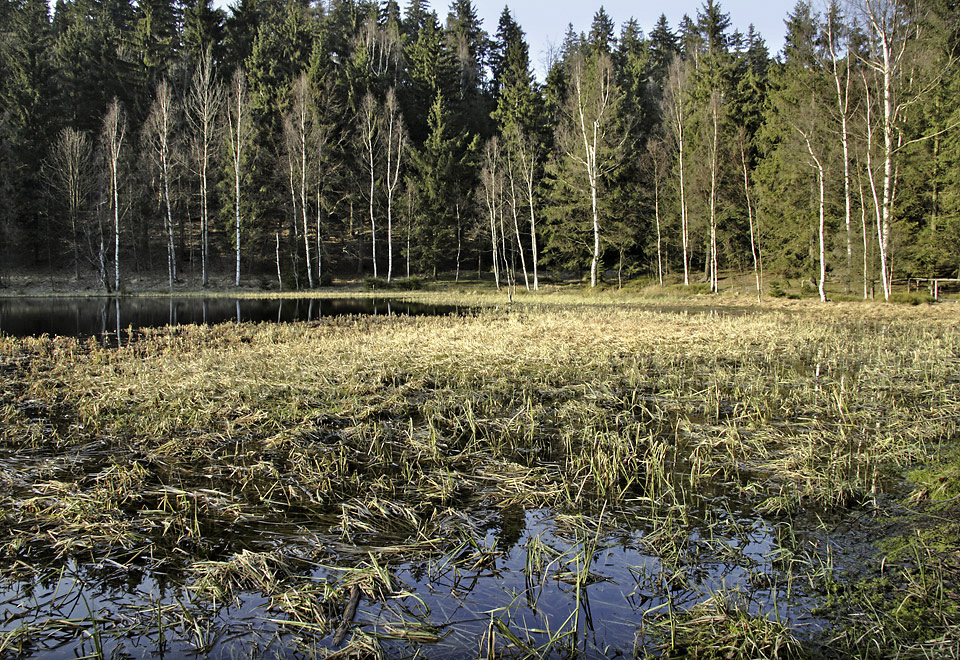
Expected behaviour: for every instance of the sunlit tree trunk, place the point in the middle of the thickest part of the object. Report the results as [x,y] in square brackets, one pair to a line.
[674,102]
[238,136]
[369,124]
[396,142]
[592,99]
[889,25]
[514,212]
[841,82]
[746,193]
[488,181]
[527,153]
[204,104]
[714,184]
[818,164]
[160,130]
[114,127]
[298,136]
[881,217]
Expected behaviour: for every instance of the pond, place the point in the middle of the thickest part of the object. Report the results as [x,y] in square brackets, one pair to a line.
[102,317]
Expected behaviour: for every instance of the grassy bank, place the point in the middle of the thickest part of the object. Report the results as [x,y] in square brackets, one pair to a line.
[316,464]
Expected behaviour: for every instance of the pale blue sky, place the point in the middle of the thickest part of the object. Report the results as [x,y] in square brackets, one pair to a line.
[545,21]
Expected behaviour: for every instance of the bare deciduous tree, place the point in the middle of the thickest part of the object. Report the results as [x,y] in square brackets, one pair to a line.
[67,171]
[754,235]
[368,122]
[238,134]
[674,107]
[588,135]
[889,22]
[159,134]
[298,126]
[114,128]
[204,103]
[396,144]
[491,186]
[658,159]
[840,56]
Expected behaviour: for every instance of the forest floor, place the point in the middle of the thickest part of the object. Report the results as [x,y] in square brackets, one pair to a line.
[553,477]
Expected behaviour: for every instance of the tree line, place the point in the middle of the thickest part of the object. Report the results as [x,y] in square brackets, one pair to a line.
[294,140]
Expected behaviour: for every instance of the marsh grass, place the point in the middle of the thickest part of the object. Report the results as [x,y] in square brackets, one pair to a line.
[722,627]
[202,447]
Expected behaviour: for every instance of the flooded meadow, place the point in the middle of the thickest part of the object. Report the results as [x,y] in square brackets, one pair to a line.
[544,481]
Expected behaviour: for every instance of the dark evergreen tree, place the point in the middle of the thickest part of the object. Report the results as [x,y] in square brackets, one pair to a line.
[664,46]
[27,120]
[439,168]
[602,35]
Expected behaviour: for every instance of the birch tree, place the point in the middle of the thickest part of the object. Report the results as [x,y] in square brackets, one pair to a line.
[368,123]
[658,159]
[490,185]
[588,135]
[159,133]
[889,23]
[674,108]
[239,130]
[298,126]
[114,129]
[754,235]
[67,169]
[806,132]
[527,158]
[396,140]
[715,108]
[204,103]
[839,50]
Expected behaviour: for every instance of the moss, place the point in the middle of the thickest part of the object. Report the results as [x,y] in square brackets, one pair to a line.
[913,607]
[938,481]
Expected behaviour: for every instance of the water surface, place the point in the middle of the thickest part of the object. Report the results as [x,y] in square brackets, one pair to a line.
[99,317]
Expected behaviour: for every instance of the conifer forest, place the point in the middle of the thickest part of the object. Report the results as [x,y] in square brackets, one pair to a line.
[297,141]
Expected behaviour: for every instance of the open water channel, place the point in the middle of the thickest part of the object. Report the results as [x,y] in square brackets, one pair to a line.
[110,317]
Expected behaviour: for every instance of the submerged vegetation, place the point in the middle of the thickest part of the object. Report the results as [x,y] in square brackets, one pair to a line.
[545,480]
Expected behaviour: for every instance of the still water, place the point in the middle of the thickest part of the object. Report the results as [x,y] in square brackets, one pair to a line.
[103,317]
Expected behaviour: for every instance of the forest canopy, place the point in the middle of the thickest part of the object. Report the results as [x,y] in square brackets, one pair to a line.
[298,141]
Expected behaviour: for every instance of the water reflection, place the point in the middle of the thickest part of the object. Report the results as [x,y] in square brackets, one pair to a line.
[103,317]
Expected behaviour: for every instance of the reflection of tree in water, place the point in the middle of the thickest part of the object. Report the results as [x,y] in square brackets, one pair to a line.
[100,317]
[512,522]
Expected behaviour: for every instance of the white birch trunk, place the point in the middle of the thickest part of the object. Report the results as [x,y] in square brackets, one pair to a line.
[753,242]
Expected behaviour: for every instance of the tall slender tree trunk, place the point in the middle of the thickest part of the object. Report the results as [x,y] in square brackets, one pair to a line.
[204,226]
[533,239]
[863,228]
[171,249]
[879,209]
[459,243]
[753,242]
[319,241]
[114,129]
[279,274]
[656,213]
[714,173]
[843,107]
[516,220]
[303,197]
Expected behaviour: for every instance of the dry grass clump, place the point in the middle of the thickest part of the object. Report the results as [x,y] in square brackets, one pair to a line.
[721,628]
